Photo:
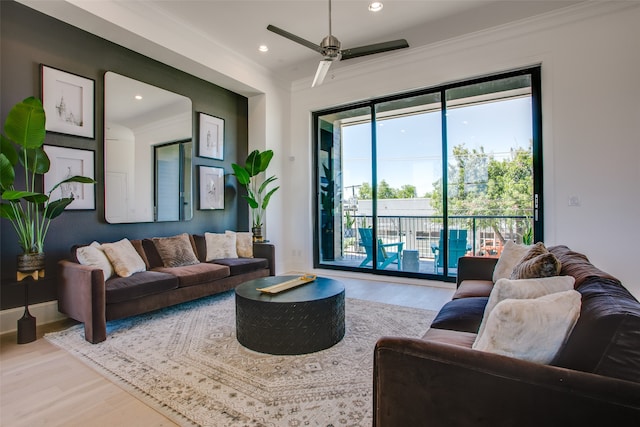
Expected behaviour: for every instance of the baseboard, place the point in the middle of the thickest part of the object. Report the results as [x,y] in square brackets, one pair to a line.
[45,312]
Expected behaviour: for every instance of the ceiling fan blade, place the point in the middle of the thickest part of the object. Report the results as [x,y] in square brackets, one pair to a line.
[323,68]
[374,48]
[294,38]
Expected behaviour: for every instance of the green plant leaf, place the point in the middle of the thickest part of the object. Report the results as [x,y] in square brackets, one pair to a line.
[265,159]
[6,211]
[37,160]
[7,148]
[56,207]
[253,163]
[241,174]
[252,202]
[258,162]
[25,123]
[265,201]
[13,195]
[265,183]
[76,178]
[7,174]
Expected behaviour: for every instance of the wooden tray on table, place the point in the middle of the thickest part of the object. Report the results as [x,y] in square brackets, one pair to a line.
[303,280]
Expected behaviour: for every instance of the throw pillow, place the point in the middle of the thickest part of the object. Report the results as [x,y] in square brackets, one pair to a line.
[220,245]
[509,258]
[531,329]
[94,256]
[523,289]
[544,265]
[175,251]
[124,257]
[244,243]
[534,250]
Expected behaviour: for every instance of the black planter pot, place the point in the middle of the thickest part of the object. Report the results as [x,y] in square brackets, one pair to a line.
[28,263]
[257,234]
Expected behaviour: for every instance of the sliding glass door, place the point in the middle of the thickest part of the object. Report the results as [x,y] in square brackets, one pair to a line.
[408,162]
[490,197]
[408,184]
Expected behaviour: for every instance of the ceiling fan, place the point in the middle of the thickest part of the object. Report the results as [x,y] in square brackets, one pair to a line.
[330,50]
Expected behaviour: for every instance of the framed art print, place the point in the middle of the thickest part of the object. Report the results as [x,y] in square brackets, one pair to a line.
[211,142]
[65,163]
[211,188]
[68,102]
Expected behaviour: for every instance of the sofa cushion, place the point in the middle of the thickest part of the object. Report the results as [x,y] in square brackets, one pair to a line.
[544,265]
[94,256]
[606,338]
[242,265]
[537,262]
[524,289]
[244,243]
[473,288]
[464,314]
[124,257]
[509,258]
[137,244]
[461,339]
[175,251]
[577,265]
[190,275]
[220,245]
[119,289]
[530,329]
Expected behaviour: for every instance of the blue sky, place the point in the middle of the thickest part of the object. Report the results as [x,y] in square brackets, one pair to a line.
[409,148]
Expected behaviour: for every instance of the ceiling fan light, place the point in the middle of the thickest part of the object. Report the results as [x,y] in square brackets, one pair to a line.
[323,68]
[375,6]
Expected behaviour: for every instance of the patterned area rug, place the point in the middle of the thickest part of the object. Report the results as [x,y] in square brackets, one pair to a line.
[185,361]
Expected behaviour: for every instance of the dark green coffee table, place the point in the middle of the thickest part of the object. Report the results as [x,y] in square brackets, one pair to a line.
[301,320]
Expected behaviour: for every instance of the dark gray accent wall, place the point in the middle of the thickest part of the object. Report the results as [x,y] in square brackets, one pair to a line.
[28,39]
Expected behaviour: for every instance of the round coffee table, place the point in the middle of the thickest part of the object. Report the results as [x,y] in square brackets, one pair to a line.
[300,320]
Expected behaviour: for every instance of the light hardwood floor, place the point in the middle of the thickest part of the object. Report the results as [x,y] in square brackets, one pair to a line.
[42,385]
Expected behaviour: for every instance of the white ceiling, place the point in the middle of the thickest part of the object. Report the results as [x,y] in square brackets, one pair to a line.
[240,25]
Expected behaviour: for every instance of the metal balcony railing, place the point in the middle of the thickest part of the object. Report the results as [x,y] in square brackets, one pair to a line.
[485,234]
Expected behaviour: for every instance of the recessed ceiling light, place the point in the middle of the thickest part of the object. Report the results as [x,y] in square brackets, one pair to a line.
[138,97]
[263,48]
[375,6]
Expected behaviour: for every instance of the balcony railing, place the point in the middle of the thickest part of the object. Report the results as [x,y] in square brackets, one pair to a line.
[485,234]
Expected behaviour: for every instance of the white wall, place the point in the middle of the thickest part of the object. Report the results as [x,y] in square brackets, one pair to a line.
[590,61]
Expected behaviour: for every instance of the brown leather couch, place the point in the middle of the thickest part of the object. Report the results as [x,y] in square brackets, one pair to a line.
[85,296]
[440,380]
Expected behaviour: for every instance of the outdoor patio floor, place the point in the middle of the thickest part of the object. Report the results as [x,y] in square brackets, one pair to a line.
[425,265]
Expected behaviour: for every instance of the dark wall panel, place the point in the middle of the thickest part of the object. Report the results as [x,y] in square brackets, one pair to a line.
[28,39]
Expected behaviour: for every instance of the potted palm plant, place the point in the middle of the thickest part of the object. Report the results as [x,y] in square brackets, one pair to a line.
[258,194]
[29,211]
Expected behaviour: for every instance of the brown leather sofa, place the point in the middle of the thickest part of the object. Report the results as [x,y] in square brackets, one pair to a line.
[85,296]
[440,380]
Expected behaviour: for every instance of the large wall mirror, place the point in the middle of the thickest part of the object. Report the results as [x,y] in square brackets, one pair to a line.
[148,151]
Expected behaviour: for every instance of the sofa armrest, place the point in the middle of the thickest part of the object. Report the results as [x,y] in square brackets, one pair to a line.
[475,268]
[268,251]
[81,296]
[419,382]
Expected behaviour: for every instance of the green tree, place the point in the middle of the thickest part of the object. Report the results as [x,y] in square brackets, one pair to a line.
[479,184]
[385,191]
[407,191]
[365,192]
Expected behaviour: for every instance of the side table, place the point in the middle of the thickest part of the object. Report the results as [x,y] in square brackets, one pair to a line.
[27,323]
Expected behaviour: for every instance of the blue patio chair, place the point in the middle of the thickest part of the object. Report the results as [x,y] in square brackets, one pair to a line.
[385,257]
[458,247]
